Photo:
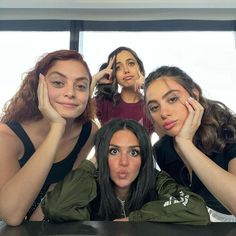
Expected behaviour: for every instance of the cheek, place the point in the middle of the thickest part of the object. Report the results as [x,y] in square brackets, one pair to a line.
[183,114]
[52,94]
[84,97]
[156,118]
[136,166]
[119,75]
[111,164]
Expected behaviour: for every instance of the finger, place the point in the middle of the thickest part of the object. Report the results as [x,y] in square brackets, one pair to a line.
[111,61]
[190,116]
[198,111]
[105,81]
[40,90]
[139,72]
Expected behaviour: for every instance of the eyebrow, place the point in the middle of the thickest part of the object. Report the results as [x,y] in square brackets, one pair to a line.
[129,59]
[165,95]
[134,146]
[62,75]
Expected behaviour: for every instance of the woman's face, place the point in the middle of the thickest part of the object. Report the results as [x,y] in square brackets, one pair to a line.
[165,99]
[68,88]
[124,160]
[127,69]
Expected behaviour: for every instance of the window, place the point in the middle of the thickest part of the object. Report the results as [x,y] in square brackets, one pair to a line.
[19,53]
[209,57]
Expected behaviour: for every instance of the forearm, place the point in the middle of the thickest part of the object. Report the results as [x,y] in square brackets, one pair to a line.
[71,197]
[18,194]
[218,181]
[184,208]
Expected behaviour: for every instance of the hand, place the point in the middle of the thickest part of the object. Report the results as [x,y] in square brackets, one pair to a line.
[139,82]
[122,219]
[193,120]
[104,76]
[44,105]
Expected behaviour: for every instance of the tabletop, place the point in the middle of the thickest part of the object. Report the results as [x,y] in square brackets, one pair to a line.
[117,229]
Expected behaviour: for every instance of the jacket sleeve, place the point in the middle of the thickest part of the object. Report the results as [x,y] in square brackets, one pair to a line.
[175,203]
[69,200]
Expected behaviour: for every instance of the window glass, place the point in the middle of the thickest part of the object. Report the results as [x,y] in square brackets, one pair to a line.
[208,57]
[19,53]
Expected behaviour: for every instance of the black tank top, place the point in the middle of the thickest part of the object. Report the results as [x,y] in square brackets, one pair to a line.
[59,169]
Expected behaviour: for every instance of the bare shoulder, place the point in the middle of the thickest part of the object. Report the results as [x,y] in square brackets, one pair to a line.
[9,142]
[11,150]
[95,127]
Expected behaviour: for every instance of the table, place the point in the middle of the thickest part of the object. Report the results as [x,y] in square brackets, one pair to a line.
[117,229]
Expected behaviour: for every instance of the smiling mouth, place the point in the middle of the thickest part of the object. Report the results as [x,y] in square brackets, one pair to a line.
[68,105]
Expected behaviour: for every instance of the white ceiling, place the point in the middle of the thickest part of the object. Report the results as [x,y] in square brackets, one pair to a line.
[117,9]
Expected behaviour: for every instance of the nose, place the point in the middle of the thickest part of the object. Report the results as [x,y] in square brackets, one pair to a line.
[69,91]
[124,159]
[164,112]
[126,68]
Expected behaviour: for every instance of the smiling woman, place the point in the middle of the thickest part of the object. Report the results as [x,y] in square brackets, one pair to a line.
[48,127]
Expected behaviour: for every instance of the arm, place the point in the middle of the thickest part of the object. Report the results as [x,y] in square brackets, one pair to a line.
[220,183]
[100,76]
[20,186]
[69,201]
[174,204]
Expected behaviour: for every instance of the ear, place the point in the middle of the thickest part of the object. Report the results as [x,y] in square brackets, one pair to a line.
[196,93]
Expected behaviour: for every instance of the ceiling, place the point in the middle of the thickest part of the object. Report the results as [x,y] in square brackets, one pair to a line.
[117,10]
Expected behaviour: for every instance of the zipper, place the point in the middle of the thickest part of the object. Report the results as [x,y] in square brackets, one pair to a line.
[122,207]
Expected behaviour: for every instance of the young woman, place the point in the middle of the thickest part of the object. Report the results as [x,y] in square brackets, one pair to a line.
[123,70]
[46,131]
[199,145]
[126,186]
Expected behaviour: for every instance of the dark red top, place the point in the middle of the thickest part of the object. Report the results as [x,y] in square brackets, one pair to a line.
[106,111]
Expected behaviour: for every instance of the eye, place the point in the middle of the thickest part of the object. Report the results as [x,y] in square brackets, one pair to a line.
[114,151]
[81,86]
[131,63]
[118,68]
[134,152]
[153,107]
[57,83]
[173,99]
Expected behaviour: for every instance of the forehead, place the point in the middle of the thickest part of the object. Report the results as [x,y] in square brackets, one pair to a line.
[69,66]
[161,86]
[124,137]
[124,55]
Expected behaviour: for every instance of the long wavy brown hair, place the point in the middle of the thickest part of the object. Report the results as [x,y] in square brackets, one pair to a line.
[23,106]
[218,124]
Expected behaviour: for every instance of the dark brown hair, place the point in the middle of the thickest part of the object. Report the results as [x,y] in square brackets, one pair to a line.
[218,124]
[24,105]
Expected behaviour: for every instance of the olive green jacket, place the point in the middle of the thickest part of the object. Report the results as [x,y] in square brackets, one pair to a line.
[71,200]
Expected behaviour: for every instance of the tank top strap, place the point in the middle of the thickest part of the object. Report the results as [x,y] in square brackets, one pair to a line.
[29,148]
[84,135]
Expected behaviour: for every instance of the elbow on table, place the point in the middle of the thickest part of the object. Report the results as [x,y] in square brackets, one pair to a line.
[12,220]
[232,208]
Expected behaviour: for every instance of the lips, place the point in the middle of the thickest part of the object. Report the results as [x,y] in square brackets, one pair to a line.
[169,125]
[68,105]
[128,78]
[122,174]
